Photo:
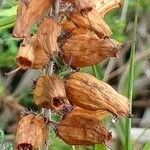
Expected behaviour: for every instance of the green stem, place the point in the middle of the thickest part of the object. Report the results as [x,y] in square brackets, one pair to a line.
[128,143]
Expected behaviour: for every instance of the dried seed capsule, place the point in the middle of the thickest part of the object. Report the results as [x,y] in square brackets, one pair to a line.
[83,127]
[47,34]
[31,133]
[31,54]
[85,91]
[29,12]
[83,50]
[50,92]
[91,21]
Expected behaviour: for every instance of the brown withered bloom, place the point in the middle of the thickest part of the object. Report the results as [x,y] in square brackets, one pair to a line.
[91,21]
[31,133]
[31,54]
[83,127]
[29,12]
[50,92]
[87,49]
[47,34]
[85,91]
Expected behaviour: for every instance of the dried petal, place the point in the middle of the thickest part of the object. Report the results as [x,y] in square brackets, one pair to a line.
[83,127]
[31,133]
[87,50]
[29,12]
[48,32]
[31,54]
[50,92]
[86,91]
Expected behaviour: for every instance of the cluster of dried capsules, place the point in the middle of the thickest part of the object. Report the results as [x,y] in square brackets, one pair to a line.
[82,36]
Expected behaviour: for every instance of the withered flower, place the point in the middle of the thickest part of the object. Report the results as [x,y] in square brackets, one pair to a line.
[31,54]
[50,92]
[91,21]
[83,127]
[87,49]
[47,34]
[29,12]
[31,133]
[85,91]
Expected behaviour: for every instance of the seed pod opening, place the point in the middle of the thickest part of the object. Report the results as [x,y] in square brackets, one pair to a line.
[31,133]
[83,50]
[83,127]
[47,34]
[31,55]
[50,92]
[29,12]
[85,91]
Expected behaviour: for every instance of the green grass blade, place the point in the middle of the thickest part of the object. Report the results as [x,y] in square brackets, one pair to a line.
[97,70]
[128,142]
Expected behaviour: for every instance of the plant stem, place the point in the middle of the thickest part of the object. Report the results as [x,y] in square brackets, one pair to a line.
[128,143]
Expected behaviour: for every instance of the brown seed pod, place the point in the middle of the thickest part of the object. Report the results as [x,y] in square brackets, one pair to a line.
[85,91]
[31,54]
[29,12]
[50,92]
[31,133]
[91,21]
[83,127]
[47,34]
[83,50]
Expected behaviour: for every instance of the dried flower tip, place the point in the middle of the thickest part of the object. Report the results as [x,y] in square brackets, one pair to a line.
[48,32]
[86,91]
[109,6]
[50,92]
[29,12]
[31,55]
[83,50]
[31,133]
[83,127]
